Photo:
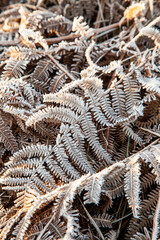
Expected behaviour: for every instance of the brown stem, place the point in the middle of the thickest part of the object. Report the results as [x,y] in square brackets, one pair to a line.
[95,31]
[50,41]
[100,13]
[61,67]
[114,25]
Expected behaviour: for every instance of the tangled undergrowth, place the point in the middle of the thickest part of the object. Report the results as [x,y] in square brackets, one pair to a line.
[79,120]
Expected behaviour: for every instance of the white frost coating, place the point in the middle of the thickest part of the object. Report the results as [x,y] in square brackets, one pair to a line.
[80,27]
[137,110]
[132,184]
[69,195]
[156,223]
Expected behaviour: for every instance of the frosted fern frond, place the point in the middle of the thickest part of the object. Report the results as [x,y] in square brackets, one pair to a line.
[151,156]
[132,184]
[91,135]
[40,76]
[128,131]
[30,36]
[62,159]
[79,120]
[26,170]
[156,224]
[23,53]
[14,69]
[64,195]
[152,33]
[17,91]
[60,114]
[95,182]
[150,83]
[67,99]
[7,137]
[80,27]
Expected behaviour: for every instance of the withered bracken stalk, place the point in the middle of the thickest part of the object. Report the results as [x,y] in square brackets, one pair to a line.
[50,41]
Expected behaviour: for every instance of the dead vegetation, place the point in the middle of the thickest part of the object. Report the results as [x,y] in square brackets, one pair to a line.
[79,120]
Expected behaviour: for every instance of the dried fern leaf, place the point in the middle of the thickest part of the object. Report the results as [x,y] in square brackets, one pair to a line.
[147,207]
[132,184]
[79,140]
[156,224]
[94,183]
[152,83]
[60,114]
[151,156]
[140,236]
[128,131]
[91,135]
[7,137]
[65,193]
[152,33]
[75,153]
[62,159]
[23,53]
[26,172]
[40,76]
[57,82]
[47,227]
[14,69]
[67,99]
[104,220]
[50,22]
